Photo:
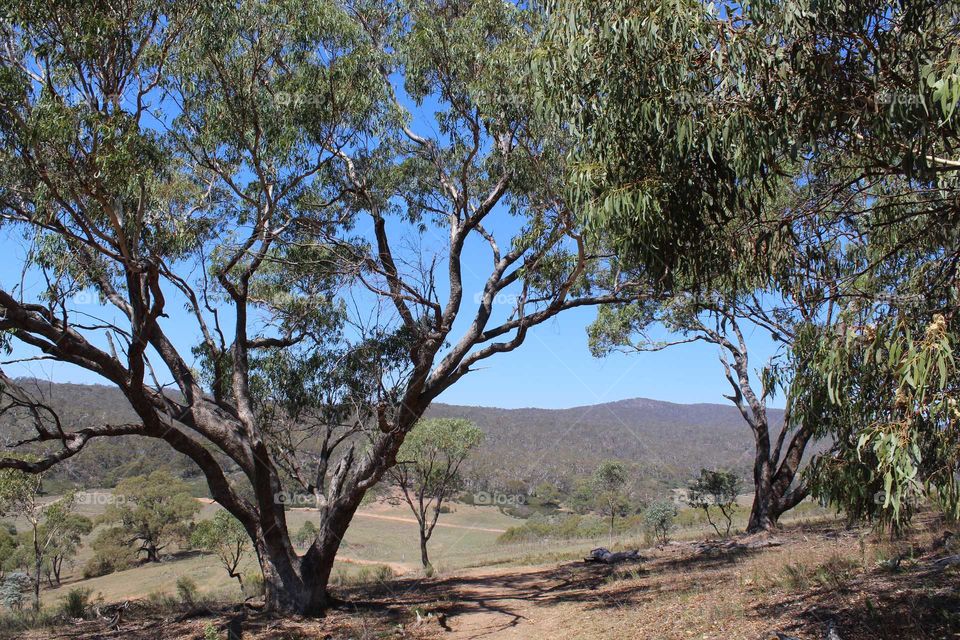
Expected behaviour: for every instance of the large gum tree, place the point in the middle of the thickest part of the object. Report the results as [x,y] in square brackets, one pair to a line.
[273,204]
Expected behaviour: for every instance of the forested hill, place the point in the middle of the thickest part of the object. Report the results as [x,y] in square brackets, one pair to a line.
[668,442]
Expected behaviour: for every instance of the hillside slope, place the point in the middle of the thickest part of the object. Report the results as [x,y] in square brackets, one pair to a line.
[668,442]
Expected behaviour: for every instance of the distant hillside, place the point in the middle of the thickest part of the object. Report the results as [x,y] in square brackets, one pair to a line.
[667,442]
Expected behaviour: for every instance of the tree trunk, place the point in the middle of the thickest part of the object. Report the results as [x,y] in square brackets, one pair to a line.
[424,558]
[36,585]
[153,555]
[299,585]
[763,515]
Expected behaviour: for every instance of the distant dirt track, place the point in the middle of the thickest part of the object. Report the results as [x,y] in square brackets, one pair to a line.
[439,524]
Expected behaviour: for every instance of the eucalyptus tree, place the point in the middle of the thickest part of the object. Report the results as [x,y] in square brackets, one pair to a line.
[224,536]
[724,322]
[428,469]
[151,512]
[701,134]
[274,205]
[48,522]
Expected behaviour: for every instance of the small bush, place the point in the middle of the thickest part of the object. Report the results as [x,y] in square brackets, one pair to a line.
[187,590]
[162,601]
[561,527]
[97,566]
[369,574]
[835,573]
[795,577]
[13,590]
[74,604]
[658,519]
[210,632]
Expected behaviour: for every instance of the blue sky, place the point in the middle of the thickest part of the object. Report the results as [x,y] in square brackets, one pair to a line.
[552,369]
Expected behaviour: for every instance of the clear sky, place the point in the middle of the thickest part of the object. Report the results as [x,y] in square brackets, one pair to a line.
[552,369]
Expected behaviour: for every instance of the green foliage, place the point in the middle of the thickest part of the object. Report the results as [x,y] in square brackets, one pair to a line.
[792,148]
[658,519]
[365,575]
[9,543]
[609,480]
[434,450]
[306,534]
[718,490]
[154,510]
[74,604]
[112,551]
[13,590]
[187,590]
[556,527]
[224,536]
[903,388]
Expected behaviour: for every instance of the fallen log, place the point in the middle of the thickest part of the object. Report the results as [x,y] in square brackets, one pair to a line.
[948,561]
[606,556]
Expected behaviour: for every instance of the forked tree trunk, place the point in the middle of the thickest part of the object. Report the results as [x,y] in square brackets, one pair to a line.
[299,585]
[774,491]
[424,558]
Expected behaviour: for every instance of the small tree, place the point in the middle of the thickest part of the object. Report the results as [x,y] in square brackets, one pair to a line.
[659,519]
[715,489]
[224,536]
[65,530]
[154,510]
[306,534]
[609,481]
[428,469]
[48,524]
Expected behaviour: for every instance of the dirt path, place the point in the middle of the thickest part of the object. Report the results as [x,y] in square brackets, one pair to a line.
[447,525]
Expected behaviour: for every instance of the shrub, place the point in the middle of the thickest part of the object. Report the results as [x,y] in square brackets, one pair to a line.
[306,534]
[97,566]
[210,632]
[187,590]
[561,527]
[658,519]
[368,574]
[111,552]
[74,604]
[13,590]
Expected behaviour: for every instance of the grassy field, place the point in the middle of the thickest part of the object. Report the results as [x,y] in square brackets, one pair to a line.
[381,533]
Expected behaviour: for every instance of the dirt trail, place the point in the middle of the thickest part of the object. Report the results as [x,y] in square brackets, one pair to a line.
[512,602]
[377,516]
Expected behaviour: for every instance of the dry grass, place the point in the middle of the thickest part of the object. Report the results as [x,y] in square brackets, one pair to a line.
[821,573]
